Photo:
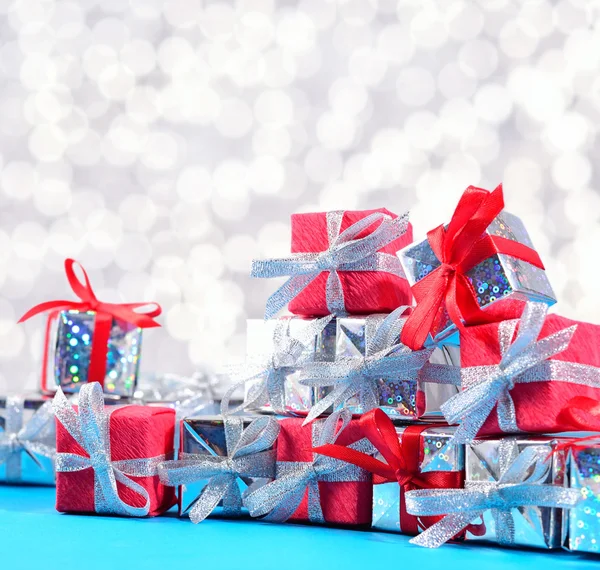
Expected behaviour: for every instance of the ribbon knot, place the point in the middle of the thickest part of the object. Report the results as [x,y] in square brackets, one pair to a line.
[328,260]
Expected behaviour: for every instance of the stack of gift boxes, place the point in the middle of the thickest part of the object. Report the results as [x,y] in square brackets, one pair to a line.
[419,387]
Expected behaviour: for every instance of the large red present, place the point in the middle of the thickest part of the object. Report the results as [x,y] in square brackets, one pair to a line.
[518,375]
[310,487]
[341,262]
[107,458]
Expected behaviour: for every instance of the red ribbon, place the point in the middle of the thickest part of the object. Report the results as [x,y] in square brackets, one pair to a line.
[580,414]
[459,248]
[105,312]
[401,464]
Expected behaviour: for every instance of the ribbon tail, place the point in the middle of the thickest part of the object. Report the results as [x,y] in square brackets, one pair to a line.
[212,494]
[505,526]
[290,289]
[444,530]
[338,395]
[315,512]
[121,507]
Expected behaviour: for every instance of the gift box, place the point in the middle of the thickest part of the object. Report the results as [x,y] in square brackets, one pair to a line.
[27,440]
[341,262]
[208,445]
[486,461]
[518,375]
[310,487]
[268,343]
[484,256]
[107,458]
[92,341]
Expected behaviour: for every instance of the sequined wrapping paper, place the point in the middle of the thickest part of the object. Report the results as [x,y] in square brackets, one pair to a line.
[206,435]
[539,527]
[298,398]
[584,520]
[498,277]
[34,468]
[435,455]
[402,400]
[70,344]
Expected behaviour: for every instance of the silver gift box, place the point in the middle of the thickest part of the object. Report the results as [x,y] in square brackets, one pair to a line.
[583,521]
[435,455]
[206,435]
[259,345]
[23,468]
[498,277]
[539,527]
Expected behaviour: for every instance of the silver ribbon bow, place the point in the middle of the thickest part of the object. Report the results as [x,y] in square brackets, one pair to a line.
[249,454]
[385,358]
[176,388]
[35,438]
[520,485]
[279,499]
[523,361]
[345,252]
[90,428]
[288,354]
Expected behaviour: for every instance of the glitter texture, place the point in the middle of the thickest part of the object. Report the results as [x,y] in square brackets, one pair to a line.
[72,348]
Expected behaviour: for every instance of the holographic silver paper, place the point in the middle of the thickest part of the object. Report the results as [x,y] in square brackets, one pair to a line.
[70,346]
[539,527]
[398,399]
[436,456]
[584,520]
[206,435]
[498,277]
[298,398]
[34,469]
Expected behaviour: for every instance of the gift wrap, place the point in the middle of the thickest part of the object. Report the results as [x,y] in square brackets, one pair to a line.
[70,337]
[486,460]
[30,435]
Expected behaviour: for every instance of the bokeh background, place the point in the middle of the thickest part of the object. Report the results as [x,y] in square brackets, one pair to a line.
[164,143]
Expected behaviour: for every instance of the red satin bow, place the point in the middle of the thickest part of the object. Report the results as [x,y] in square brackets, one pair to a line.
[105,312]
[401,463]
[459,248]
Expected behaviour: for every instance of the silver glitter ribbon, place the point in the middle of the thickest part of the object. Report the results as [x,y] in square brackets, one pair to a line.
[519,485]
[249,454]
[90,428]
[385,357]
[523,361]
[35,438]
[176,388]
[268,377]
[279,499]
[345,252]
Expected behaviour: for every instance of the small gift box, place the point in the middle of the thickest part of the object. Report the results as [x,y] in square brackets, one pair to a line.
[91,341]
[107,458]
[310,487]
[514,495]
[27,440]
[341,262]
[221,460]
[373,369]
[482,256]
[518,375]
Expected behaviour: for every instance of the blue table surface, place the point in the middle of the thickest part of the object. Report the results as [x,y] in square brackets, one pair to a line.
[35,536]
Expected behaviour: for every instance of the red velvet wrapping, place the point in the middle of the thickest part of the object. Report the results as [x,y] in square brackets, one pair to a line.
[365,292]
[347,503]
[538,404]
[135,432]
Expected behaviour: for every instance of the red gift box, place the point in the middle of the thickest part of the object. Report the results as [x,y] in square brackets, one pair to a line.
[538,405]
[136,432]
[343,503]
[365,292]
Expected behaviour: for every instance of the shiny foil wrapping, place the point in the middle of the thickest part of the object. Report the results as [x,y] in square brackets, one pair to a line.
[539,527]
[498,277]
[435,455]
[70,344]
[298,398]
[34,469]
[583,521]
[401,400]
[206,435]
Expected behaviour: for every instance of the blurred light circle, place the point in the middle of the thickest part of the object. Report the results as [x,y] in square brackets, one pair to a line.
[67,19]
[295,32]
[74,125]
[478,58]
[111,32]
[176,55]
[53,105]
[571,170]
[274,239]
[238,250]
[427,29]
[139,56]
[47,143]
[366,67]
[483,144]
[422,130]
[254,31]
[97,58]
[335,131]
[105,230]
[138,212]
[235,118]
[194,184]
[183,14]
[12,339]
[538,16]
[206,260]
[52,197]
[518,40]
[274,108]
[160,152]
[582,50]
[458,118]
[568,132]
[347,97]
[66,237]
[322,14]
[569,17]
[493,103]
[461,170]
[37,71]
[347,39]
[273,141]
[217,21]
[181,321]
[266,175]
[280,68]
[134,253]
[87,151]
[415,86]
[358,12]
[29,241]
[394,44]
[323,165]
[191,222]
[116,82]
[464,20]
[18,180]
[453,82]
[85,202]
[143,104]
[36,37]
